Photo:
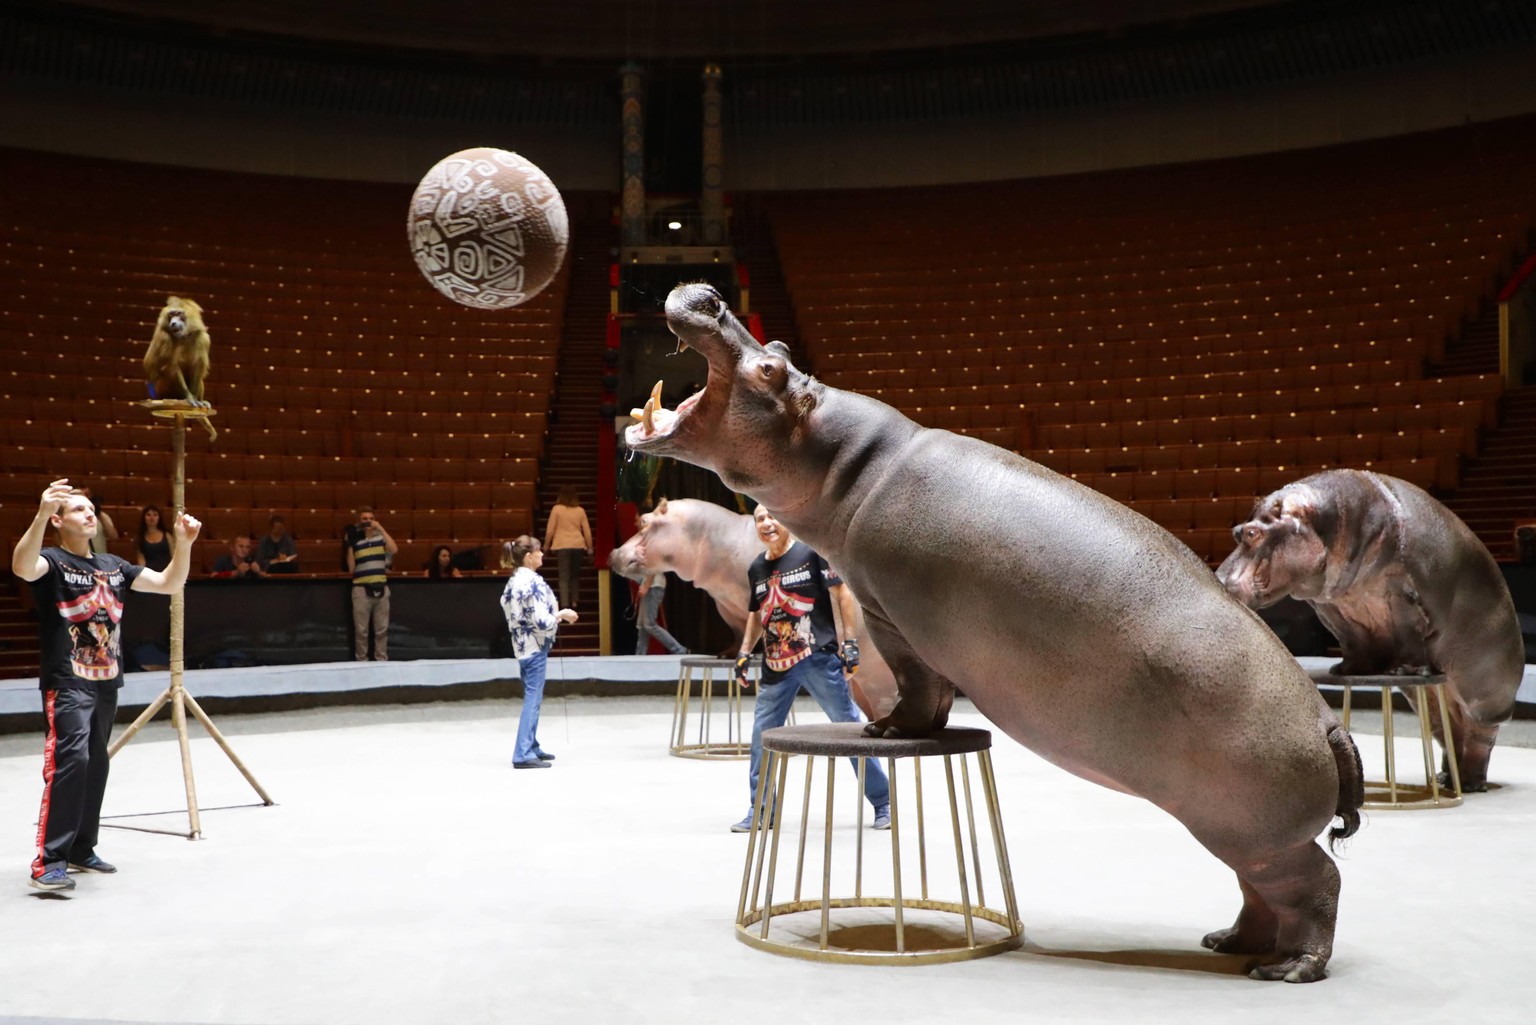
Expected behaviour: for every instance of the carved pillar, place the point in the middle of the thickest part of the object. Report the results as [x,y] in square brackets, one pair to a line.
[632,209]
[712,202]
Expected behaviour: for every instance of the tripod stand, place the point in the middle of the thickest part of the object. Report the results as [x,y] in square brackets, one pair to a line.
[178,413]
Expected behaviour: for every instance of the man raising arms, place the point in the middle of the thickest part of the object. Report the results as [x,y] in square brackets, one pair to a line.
[79,597]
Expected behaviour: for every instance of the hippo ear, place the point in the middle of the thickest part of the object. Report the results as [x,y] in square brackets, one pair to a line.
[661,507]
[779,349]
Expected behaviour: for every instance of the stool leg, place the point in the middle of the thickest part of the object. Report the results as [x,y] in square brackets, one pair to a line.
[773,859]
[1450,744]
[858,841]
[970,817]
[901,926]
[680,709]
[922,836]
[1427,745]
[826,853]
[999,839]
[755,874]
[1386,728]
[1348,691]
[965,889]
[733,711]
[706,693]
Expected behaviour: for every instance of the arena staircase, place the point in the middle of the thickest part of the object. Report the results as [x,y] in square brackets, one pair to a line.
[570,449]
[768,292]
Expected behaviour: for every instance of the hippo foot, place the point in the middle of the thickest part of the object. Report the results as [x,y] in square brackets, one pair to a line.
[885,728]
[1232,941]
[1411,671]
[1468,786]
[1302,968]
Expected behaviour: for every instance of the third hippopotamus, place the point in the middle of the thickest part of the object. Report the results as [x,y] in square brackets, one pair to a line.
[1080,628]
[1404,585]
[713,547]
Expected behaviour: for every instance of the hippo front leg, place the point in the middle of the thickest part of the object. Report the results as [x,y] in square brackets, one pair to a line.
[923,696]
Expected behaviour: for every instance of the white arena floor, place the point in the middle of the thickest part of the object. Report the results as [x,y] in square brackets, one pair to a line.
[408,875]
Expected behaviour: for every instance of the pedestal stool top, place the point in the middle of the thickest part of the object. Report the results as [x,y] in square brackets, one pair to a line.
[840,739]
[1375,679]
[710,662]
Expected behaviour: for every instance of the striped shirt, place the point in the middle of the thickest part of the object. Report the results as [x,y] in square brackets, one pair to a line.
[368,560]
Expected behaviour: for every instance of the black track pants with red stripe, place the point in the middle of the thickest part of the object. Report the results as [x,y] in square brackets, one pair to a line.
[75,767]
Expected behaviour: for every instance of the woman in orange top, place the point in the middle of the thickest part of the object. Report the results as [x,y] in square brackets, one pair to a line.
[569,536]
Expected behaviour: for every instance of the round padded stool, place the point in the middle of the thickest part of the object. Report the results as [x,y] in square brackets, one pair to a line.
[707,742]
[937,909]
[1391,793]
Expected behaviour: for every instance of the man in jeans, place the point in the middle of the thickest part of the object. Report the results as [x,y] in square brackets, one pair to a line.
[790,608]
[652,590]
[368,562]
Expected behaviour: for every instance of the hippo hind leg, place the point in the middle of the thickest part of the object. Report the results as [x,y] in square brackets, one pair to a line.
[1300,889]
[1254,931]
[923,697]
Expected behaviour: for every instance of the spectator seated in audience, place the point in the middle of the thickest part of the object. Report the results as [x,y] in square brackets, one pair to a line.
[154,542]
[239,563]
[440,566]
[277,552]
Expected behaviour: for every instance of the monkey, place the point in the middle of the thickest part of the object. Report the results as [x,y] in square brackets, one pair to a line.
[177,360]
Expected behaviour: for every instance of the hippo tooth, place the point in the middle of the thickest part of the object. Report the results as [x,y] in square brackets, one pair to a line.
[656,395]
[646,416]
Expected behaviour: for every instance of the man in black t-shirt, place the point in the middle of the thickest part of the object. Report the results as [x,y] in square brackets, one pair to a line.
[790,607]
[79,597]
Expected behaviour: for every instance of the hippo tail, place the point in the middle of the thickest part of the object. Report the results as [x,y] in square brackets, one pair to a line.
[1351,783]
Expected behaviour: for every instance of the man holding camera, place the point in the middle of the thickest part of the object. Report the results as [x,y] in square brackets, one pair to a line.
[368,550]
[790,608]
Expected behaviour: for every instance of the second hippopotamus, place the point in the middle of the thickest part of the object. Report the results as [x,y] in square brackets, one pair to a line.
[1082,629]
[1404,585]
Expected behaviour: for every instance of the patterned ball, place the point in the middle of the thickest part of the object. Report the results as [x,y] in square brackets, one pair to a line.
[488,228]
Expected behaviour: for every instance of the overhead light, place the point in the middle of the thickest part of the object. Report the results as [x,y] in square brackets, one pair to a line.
[674,225]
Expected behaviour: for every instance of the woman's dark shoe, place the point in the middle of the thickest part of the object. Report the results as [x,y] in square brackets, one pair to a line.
[531,765]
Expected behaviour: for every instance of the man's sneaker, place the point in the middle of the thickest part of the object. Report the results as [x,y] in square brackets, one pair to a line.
[882,817]
[53,879]
[745,825]
[93,864]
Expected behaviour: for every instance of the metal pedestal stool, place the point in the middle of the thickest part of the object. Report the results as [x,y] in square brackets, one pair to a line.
[706,742]
[1390,792]
[849,918]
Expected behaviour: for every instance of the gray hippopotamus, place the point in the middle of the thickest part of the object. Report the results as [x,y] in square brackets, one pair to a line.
[1082,629]
[712,547]
[1402,583]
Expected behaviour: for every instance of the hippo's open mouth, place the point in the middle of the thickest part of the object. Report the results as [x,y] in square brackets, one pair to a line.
[656,420]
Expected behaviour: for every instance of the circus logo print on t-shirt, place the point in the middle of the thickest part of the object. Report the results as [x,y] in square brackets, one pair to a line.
[93,614]
[786,621]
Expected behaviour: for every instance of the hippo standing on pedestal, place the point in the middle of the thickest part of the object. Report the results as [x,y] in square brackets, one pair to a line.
[1403,584]
[1082,629]
[713,547]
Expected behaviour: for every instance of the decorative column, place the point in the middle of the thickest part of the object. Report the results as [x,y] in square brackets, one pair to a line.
[632,209]
[712,202]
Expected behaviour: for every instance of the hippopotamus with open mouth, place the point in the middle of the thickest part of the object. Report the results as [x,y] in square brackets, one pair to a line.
[1083,630]
[1403,584]
[713,547]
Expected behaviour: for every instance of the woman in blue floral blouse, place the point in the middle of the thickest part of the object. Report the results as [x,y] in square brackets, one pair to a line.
[532,619]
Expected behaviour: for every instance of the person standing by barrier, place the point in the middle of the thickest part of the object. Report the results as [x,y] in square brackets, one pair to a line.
[533,620]
[368,562]
[79,597]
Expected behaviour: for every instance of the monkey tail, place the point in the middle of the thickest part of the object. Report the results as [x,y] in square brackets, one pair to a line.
[1351,783]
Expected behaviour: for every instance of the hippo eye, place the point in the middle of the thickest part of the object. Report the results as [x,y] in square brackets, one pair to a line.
[1251,534]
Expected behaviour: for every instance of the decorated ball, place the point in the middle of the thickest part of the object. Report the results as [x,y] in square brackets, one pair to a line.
[488,228]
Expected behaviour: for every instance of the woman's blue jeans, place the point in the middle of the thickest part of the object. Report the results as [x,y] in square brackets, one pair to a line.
[532,671]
